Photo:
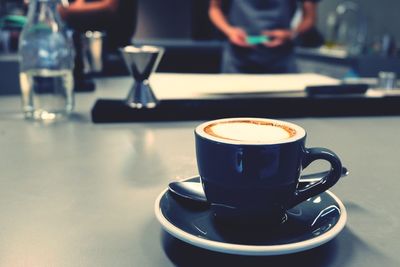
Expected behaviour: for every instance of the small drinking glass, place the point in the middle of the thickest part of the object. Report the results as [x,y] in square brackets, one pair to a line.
[387,80]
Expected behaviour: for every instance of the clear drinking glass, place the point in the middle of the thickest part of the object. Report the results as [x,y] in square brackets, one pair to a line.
[46,63]
[387,80]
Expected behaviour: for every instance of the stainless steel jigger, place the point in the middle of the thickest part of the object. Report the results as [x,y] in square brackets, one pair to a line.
[142,62]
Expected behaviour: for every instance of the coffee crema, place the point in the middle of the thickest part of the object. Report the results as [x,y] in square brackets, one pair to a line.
[257,131]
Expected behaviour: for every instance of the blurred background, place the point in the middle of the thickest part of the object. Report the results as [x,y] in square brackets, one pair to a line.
[355,38]
[188,18]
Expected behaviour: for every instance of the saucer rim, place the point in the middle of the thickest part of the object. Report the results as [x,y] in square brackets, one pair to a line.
[251,250]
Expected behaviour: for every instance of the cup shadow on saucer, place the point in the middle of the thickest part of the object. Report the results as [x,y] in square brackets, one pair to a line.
[314,218]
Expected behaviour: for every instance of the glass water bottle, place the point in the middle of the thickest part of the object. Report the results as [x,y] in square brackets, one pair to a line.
[46,63]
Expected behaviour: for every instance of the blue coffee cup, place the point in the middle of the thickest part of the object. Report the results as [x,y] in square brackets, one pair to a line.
[250,168]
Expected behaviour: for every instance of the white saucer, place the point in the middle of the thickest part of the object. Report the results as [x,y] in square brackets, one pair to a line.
[310,224]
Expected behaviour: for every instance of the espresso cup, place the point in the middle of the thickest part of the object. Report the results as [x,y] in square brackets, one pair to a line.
[250,168]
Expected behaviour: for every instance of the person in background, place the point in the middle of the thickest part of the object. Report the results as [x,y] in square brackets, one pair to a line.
[261,39]
[115,18]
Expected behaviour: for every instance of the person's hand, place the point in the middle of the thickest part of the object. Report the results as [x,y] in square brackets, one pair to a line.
[278,37]
[237,36]
[64,7]
[77,4]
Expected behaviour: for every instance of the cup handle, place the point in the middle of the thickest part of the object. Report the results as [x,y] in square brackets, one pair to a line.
[313,189]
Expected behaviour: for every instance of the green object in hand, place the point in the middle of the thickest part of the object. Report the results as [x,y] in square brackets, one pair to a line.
[257,39]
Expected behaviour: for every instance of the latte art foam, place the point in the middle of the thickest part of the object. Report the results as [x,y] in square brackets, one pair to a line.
[250,131]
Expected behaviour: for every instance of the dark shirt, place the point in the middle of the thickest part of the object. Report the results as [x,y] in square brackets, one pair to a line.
[123,26]
[119,28]
[255,16]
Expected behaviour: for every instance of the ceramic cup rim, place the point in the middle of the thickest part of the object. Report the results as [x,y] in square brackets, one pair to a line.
[300,132]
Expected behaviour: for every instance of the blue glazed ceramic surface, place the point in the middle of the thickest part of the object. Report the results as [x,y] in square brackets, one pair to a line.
[251,183]
[309,224]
